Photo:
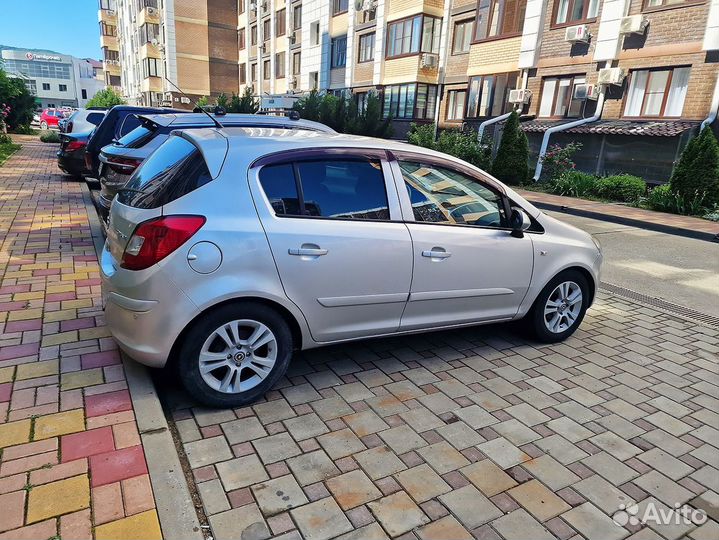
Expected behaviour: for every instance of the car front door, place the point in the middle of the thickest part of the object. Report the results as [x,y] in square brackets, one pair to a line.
[468,267]
[335,230]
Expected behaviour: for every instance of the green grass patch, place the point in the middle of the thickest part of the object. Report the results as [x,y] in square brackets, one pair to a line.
[6,150]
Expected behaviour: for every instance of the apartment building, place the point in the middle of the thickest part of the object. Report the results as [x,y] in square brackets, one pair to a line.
[193,43]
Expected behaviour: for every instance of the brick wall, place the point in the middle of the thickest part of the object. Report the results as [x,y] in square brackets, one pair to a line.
[497,56]
[222,11]
[191,38]
[192,9]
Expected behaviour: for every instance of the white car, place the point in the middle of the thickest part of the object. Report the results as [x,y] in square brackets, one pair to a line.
[228,249]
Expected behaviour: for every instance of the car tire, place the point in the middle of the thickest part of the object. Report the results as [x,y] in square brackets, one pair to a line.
[216,358]
[43,125]
[558,311]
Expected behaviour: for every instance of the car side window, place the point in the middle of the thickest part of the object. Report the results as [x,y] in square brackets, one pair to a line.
[95,118]
[128,124]
[443,195]
[328,188]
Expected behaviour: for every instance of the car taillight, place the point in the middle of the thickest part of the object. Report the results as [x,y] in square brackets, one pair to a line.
[73,146]
[155,239]
[123,165]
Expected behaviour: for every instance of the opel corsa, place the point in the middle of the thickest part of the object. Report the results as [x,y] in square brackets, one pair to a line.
[228,249]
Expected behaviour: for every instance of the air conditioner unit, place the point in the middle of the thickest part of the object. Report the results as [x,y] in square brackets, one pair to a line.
[253,6]
[577,34]
[633,24]
[429,60]
[152,11]
[593,92]
[613,75]
[586,91]
[519,96]
[111,12]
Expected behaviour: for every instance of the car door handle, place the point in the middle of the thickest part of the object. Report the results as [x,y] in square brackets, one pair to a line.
[435,254]
[307,252]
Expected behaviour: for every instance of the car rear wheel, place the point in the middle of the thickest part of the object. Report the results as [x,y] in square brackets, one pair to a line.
[43,125]
[235,354]
[560,307]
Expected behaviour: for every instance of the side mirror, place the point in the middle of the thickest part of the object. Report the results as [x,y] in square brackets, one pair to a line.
[519,222]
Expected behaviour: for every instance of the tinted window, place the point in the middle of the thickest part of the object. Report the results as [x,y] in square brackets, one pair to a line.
[175,169]
[129,123]
[334,188]
[136,138]
[278,183]
[95,118]
[443,195]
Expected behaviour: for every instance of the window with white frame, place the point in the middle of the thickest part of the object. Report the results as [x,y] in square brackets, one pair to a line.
[339,52]
[575,11]
[657,92]
[488,94]
[366,47]
[315,33]
[455,104]
[413,35]
[558,97]
[462,36]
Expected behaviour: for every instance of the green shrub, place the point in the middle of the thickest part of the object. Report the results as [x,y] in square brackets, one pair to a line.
[510,165]
[663,199]
[24,130]
[557,161]
[697,171]
[5,138]
[574,184]
[712,215]
[621,187]
[455,142]
[421,135]
[49,136]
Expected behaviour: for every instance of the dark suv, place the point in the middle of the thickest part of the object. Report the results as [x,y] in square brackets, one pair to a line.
[120,159]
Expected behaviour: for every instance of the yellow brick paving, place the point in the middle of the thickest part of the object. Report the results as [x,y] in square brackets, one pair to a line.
[67,428]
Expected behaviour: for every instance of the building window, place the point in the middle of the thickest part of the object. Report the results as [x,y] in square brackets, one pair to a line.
[657,92]
[296,63]
[243,73]
[108,29]
[558,97]
[253,35]
[280,65]
[315,33]
[83,93]
[107,4]
[487,95]
[253,72]
[410,101]
[149,67]
[148,32]
[266,71]
[281,22]
[366,47]
[110,55]
[46,86]
[241,38]
[62,87]
[574,11]
[361,98]
[462,36]
[339,7]
[499,18]
[241,7]
[266,30]
[455,104]
[314,80]
[297,17]
[411,36]
[339,52]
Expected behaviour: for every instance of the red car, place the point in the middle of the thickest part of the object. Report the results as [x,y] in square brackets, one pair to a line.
[50,117]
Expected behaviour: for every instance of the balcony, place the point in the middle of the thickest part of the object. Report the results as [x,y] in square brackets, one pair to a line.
[110,42]
[151,84]
[111,66]
[107,15]
[148,50]
[148,15]
[421,67]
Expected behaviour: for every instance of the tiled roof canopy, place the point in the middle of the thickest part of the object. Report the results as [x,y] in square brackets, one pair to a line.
[669,128]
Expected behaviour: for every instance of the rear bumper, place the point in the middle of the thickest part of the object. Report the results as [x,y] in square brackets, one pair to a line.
[70,164]
[144,311]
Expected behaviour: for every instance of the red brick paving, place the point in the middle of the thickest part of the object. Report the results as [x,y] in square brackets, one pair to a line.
[51,332]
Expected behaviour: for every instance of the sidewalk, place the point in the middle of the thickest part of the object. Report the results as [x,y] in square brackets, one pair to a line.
[639,217]
[71,460]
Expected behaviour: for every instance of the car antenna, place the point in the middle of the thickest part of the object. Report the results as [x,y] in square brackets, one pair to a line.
[214,120]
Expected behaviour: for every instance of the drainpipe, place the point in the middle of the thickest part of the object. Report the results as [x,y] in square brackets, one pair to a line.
[709,120]
[496,119]
[564,127]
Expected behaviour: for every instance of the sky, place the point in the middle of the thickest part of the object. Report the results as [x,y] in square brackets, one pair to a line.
[64,26]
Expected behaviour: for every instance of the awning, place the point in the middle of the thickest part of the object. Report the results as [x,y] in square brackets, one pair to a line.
[668,128]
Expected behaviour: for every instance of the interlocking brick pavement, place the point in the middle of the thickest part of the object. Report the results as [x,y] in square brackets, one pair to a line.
[71,460]
[472,434]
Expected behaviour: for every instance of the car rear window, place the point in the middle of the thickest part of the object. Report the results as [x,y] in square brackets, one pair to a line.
[175,169]
[137,137]
[95,118]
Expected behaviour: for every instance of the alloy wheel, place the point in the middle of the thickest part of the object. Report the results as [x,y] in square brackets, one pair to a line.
[238,356]
[563,307]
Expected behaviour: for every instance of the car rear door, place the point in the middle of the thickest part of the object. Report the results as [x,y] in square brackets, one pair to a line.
[468,267]
[334,226]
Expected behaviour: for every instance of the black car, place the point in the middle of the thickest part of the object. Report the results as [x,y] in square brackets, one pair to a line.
[119,121]
[71,156]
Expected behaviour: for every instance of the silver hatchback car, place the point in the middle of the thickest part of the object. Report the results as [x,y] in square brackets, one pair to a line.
[229,249]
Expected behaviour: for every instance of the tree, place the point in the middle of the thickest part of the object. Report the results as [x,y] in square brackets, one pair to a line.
[247,103]
[17,101]
[203,102]
[106,98]
[697,172]
[368,122]
[309,106]
[510,165]
[222,101]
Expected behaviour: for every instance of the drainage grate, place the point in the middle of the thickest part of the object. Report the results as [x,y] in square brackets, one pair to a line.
[674,309]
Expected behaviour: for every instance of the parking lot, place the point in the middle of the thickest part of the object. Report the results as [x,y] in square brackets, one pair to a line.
[464,434]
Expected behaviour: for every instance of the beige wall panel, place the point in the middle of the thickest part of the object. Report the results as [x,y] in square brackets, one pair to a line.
[193,9]
[193,75]
[485,57]
[191,38]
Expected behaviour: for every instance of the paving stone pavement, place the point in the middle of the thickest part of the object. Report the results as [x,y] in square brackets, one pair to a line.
[472,434]
[71,460]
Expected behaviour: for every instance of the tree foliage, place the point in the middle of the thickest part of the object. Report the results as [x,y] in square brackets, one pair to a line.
[16,100]
[697,172]
[462,144]
[107,98]
[343,114]
[510,165]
